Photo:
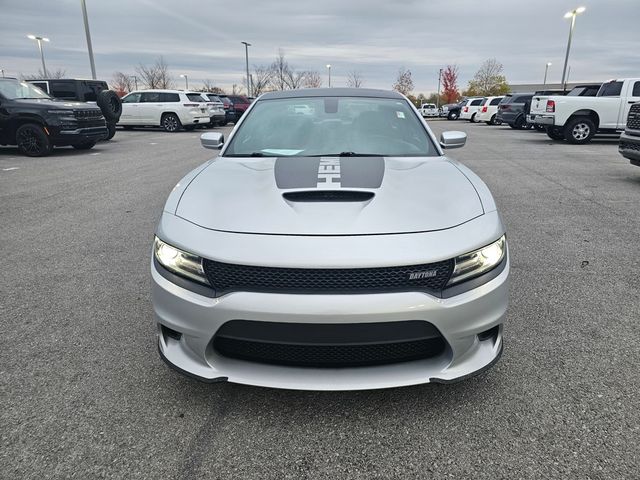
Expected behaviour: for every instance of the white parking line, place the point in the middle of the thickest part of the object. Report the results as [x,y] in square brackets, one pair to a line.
[95,153]
[10,168]
[153,143]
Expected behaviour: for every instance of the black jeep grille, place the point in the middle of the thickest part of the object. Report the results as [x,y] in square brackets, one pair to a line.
[429,277]
[328,345]
[630,146]
[633,120]
[89,118]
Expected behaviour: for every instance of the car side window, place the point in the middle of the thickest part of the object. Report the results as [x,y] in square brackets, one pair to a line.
[476,102]
[495,101]
[64,90]
[611,89]
[636,90]
[169,97]
[132,98]
[150,97]
[524,99]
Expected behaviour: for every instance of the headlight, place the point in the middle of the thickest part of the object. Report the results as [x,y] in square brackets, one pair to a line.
[479,261]
[179,262]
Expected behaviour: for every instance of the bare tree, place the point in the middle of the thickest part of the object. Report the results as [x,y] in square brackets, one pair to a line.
[312,79]
[295,79]
[207,85]
[59,73]
[261,79]
[280,71]
[237,89]
[355,80]
[404,82]
[156,75]
[488,80]
[121,83]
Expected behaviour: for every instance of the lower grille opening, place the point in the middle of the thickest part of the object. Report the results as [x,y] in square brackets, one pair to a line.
[488,334]
[170,333]
[328,345]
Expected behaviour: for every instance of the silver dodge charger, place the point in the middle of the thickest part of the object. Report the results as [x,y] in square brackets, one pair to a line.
[331,245]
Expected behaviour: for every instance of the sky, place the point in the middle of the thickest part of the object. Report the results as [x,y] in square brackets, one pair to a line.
[201,38]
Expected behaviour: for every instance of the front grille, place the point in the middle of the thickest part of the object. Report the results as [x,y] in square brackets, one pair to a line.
[226,277]
[629,146]
[328,345]
[328,196]
[633,120]
[89,118]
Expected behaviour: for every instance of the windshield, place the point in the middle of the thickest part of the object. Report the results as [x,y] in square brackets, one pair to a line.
[331,126]
[13,89]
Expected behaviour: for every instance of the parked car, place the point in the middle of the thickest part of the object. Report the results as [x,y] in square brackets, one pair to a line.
[319,230]
[629,146]
[229,109]
[36,122]
[584,90]
[512,110]
[578,118]
[240,105]
[82,90]
[428,110]
[453,109]
[470,109]
[443,111]
[217,114]
[169,109]
[488,110]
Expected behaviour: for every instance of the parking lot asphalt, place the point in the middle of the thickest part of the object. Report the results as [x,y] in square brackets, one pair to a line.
[85,394]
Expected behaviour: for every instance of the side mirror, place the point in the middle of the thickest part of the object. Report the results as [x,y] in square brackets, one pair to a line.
[451,139]
[213,140]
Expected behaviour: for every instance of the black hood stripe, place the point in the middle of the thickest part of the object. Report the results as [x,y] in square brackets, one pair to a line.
[329,172]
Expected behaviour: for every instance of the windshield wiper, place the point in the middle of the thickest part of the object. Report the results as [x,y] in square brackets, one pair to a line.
[252,154]
[347,154]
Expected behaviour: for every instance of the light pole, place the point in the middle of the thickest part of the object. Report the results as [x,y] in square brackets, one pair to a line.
[438,97]
[246,58]
[135,81]
[186,80]
[572,15]
[329,67]
[546,69]
[86,31]
[40,40]
[1,70]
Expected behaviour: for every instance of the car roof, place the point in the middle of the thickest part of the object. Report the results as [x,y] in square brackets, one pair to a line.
[160,90]
[332,92]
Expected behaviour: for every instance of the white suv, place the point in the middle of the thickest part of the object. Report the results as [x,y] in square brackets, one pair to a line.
[170,109]
[429,110]
[470,109]
[488,110]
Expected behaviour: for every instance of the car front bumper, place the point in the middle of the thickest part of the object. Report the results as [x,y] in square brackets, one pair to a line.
[462,320]
[79,136]
[541,119]
[629,147]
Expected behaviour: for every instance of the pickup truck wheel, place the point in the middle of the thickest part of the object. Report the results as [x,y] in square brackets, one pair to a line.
[32,140]
[85,145]
[453,116]
[170,122]
[579,130]
[555,133]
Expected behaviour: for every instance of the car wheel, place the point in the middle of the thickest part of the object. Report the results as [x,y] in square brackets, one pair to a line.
[473,118]
[85,145]
[171,122]
[579,130]
[519,124]
[453,116]
[555,133]
[33,141]
[223,123]
[112,131]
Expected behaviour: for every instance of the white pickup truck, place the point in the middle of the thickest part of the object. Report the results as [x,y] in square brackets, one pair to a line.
[578,119]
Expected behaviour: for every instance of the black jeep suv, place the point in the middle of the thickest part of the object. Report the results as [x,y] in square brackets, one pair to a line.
[92,91]
[35,122]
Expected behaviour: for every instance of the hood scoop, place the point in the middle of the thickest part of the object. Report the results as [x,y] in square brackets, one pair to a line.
[328,196]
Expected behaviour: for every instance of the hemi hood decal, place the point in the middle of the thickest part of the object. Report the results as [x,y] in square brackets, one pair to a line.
[329,172]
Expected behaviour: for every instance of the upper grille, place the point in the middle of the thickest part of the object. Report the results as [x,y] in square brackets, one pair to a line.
[328,196]
[633,121]
[89,118]
[429,277]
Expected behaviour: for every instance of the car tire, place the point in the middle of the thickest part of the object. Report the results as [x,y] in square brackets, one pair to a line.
[473,118]
[110,104]
[453,116]
[555,133]
[519,124]
[88,145]
[223,123]
[112,131]
[579,130]
[32,140]
[170,122]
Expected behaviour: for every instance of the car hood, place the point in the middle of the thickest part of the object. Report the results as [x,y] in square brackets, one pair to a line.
[57,104]
[326,196]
